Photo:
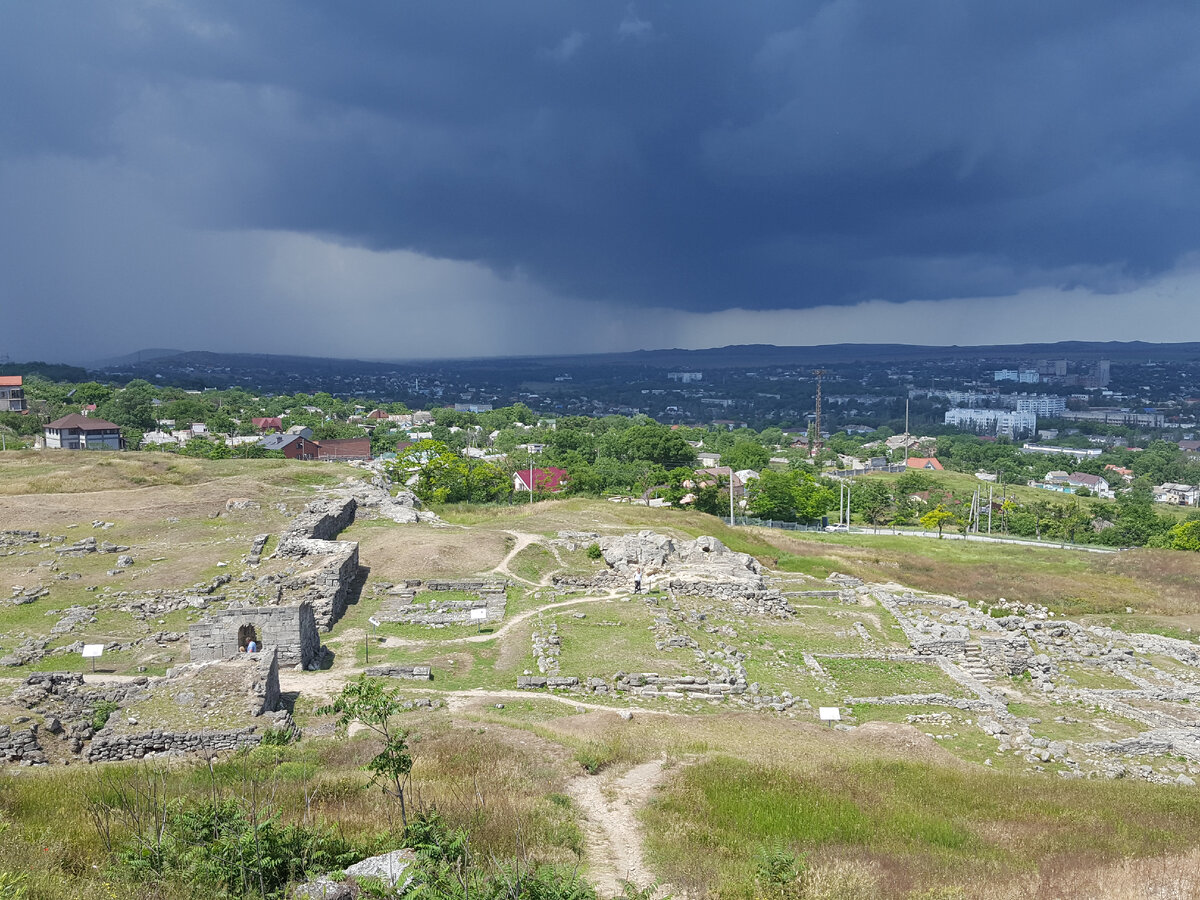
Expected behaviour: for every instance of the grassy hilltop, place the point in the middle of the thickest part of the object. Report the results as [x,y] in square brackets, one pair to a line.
[709,798]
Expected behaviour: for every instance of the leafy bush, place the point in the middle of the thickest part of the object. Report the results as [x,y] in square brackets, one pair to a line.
[594,552]
[278,737]
[218,847]
[101,713]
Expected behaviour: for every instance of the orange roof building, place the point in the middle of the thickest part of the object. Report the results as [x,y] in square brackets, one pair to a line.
[924,462]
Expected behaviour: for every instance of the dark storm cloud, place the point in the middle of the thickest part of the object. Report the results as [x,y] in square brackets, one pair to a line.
[697,156]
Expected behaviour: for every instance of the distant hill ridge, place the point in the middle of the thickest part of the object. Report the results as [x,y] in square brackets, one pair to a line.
[736,356]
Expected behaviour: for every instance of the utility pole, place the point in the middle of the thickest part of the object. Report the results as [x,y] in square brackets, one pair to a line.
[731,496]
[848,486]
[817,422]
[989,509]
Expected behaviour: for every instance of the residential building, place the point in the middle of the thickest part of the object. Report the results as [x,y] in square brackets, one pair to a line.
[686,377]
[268,423]
[548,480]
[993,421]
[924,462]
[1112,416]
[708,458]
[78,432]
[1094,483]
[1061,451]
[1177,494]
[12,394]
[1045,405]
[1024,376]
[294,446]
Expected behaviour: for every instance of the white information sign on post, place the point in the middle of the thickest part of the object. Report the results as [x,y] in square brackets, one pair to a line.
[374,621]
[91,651]
[830,714]
[479,612]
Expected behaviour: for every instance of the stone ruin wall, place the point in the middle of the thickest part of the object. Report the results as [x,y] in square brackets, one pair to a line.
[289,631]
[321,520]
[313,533]
[403,607]
[113,748]
[21,746]
[262,697]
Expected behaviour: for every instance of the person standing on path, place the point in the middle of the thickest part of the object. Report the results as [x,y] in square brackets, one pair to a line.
[637,581]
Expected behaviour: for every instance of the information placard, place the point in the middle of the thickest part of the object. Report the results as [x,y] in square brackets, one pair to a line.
[91,651]
[479,613]
[830,714]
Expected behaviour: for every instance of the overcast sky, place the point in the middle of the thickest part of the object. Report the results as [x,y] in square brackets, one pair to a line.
[395,180]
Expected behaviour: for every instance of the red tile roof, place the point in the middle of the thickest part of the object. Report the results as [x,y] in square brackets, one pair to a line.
[924,462]
[549,479]
[10,380]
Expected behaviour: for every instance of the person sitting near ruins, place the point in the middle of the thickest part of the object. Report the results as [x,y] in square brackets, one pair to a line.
[251,646]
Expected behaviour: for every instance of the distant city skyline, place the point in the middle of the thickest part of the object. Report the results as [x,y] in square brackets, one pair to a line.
[394,180]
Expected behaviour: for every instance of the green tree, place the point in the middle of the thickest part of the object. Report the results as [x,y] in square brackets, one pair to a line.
[444,476]
[872,499]
[369,703]
[651,443]
[1186,536]
[937,518]
[774,496]
[746,455]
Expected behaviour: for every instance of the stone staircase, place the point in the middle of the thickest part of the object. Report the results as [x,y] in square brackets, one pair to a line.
[975,665]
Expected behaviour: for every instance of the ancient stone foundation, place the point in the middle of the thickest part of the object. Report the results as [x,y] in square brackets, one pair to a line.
[21,746]
[415,603]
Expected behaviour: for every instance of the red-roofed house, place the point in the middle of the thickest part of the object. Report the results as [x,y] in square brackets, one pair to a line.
[378,414]
[268,424]
[12,394]
[76,432]
[545,481]
[924,462]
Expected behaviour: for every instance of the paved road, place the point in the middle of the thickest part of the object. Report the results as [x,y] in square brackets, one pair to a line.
[982,538]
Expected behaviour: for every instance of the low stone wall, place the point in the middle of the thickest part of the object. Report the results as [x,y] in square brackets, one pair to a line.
[289,631]
[600,581]
[532,682]
[115,747]
[651,684]
[1005,655]
[415,606]
[412,673]
[21,747]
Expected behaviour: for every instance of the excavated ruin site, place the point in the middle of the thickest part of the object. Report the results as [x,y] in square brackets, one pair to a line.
[476,619]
